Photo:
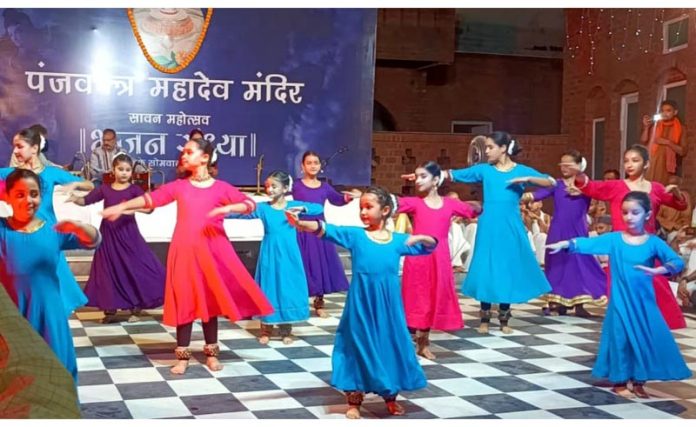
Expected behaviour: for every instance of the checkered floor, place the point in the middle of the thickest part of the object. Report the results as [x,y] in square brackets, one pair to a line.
[540,371]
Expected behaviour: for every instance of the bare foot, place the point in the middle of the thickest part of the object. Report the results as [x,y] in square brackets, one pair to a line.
[353,413]
[179,367]
[264,339]
[640,392]
[322,313]
[395,409]
[213,363]
[133,318]
[425,352]
[506,329]
[622,391]
[287,340]
[483,329]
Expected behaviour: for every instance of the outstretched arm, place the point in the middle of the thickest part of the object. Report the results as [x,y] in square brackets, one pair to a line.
[244,207]
[112,213]
[80,201]
[534,180]
[86,234]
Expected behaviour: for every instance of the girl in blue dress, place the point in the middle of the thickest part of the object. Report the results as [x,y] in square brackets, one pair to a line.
[30,248]
[373,351]
[504,269]
[27,146]
[636,344]
[280,271]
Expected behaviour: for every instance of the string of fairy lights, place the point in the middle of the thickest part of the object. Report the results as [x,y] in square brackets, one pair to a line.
[621,29]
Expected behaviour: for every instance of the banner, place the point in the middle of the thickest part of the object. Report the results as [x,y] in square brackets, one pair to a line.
[258,82]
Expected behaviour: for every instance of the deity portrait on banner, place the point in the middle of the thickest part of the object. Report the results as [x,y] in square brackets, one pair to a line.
[169,36]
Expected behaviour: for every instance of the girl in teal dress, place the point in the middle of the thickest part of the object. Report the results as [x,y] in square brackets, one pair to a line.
[29,253]
[636,344]
[280,271]
[504,269]
[27,146]
[373,351]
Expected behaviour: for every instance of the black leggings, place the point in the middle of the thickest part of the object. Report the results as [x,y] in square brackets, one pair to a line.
[485,306]
[210,332]
[503,313]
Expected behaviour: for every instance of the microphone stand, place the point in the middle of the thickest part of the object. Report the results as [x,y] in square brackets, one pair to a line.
[259,168]
[326,162]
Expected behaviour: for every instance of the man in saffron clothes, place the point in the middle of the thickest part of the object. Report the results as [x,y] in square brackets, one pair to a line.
[664,141]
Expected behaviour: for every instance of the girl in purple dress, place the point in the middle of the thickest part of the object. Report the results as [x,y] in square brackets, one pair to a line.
[575,279]
[125,274]
[321,262]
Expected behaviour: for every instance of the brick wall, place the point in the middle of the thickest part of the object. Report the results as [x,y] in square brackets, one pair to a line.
[586,97]
[416,35]
[396,153]
[518,94]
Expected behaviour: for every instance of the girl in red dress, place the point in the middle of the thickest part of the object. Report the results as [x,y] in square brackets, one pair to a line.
[205,277]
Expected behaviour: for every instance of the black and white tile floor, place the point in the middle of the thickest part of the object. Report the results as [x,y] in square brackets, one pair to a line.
[540,371]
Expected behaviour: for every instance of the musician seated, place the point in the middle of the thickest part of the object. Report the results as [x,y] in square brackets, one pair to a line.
[103,156]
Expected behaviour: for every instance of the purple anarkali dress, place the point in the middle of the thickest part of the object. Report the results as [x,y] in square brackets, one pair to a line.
[125,273]
[322,265]
[575,278]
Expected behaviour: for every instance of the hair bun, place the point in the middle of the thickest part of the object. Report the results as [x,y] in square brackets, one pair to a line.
[583,164]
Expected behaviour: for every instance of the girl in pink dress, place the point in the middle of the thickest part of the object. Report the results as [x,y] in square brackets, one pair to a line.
[430,299]
[613,191]
[205,277]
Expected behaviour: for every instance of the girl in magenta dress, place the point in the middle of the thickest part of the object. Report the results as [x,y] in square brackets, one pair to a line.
[613,191]
[205,277]
[322,265]
[575,279]
[430,298]
[125,273]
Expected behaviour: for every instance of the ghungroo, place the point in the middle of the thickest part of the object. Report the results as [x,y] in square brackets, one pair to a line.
[285,330]
[266,330]
[355,398]
[485,316]
[422,338]
[211,350]
[182,353]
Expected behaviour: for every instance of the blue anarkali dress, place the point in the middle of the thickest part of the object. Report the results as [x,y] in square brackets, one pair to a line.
[280,271]
[636,343]
[503,268]
[373,351]
[70,291]
[28,271]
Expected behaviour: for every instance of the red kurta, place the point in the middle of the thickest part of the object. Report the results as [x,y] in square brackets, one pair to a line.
[205,277]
